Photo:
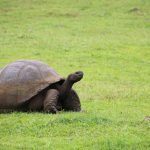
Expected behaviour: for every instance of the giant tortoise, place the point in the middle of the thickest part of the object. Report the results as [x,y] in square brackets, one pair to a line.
[29,85]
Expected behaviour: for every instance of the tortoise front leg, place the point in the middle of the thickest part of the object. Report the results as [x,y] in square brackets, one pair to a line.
[50,101]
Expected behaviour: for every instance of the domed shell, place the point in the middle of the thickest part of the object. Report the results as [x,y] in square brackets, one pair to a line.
[21,80]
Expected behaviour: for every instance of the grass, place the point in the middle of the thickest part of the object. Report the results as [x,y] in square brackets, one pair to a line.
[109,41]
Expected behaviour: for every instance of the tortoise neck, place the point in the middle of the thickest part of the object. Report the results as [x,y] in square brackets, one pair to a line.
[65,88]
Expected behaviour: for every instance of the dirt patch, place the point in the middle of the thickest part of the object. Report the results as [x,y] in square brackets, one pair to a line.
[135,10]
[147,118]
[69,15]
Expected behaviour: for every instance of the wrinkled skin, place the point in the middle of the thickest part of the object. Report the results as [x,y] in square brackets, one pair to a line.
[58,96]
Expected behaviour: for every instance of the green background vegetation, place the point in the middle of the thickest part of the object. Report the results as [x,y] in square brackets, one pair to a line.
[110,41]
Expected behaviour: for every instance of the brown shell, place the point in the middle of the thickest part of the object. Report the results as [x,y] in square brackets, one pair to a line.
[21,80]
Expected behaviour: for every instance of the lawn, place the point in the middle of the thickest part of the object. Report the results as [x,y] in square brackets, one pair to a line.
[110,42]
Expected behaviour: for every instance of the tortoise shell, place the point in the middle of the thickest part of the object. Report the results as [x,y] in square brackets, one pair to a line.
[23,79]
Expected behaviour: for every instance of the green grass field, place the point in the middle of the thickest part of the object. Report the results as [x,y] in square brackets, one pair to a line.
[110,41]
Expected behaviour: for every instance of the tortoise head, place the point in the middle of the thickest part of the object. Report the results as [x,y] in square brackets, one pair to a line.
[75,77]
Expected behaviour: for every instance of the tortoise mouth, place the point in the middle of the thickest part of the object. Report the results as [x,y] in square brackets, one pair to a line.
[79,73]
[75,77]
